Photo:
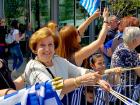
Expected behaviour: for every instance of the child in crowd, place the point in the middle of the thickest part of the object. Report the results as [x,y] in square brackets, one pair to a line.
[89,95]
[95,95]
[95,62]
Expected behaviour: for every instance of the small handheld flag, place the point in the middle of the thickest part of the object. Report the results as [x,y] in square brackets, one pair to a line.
[90,5]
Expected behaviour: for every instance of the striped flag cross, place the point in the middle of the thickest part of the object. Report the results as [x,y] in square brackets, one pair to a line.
[90,5]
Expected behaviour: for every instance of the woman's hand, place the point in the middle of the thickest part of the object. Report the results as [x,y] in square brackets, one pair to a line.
[89,79]
[97,13]
[117,70]
[105,14]
[105,85]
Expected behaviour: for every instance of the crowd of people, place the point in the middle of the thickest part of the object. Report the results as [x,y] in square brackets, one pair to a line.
[58,53]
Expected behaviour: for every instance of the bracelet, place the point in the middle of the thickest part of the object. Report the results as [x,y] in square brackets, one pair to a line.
[76,83]
[7,91]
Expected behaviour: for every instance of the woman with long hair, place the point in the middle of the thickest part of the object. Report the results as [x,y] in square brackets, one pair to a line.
[70,48]
[70,39]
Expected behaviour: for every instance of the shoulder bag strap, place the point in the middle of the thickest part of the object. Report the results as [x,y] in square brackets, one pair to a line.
[50,73]
[47,69]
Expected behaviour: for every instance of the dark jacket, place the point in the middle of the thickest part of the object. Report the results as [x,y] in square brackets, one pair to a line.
[5,77]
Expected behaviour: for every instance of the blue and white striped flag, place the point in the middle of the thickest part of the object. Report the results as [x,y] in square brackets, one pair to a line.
[90,5]
[136,94]
[76,96]
[38,94]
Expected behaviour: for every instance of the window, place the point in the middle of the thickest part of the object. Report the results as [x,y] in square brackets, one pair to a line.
[66,12]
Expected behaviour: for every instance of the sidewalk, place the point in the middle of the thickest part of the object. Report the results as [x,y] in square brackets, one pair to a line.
[21,69]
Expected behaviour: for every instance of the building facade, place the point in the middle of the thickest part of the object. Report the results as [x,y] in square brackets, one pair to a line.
[39,12]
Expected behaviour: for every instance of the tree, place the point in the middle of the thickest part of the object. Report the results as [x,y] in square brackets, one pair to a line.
[123,8]
[14,8]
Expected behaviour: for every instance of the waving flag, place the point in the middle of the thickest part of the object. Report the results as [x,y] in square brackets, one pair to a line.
[90,5]
[39,94]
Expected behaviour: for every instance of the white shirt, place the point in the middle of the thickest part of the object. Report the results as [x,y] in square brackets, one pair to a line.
[15,32]
[37,72]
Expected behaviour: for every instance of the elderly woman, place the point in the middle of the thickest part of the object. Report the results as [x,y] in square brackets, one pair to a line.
[126,56]
[47,65]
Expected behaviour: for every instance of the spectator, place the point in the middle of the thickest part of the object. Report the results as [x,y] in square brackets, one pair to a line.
[126,56]
[70,48]
[125,22]
[111,45]
[3,32]
[46,65]
[5,76]
[54,27]
[70,38]
[113,23]
[15,46]
[28,33]
[99,96]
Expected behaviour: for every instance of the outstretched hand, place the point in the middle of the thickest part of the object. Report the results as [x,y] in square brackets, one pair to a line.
[90,79]
[117,70]
[105,85]
[58,83]
[105,14]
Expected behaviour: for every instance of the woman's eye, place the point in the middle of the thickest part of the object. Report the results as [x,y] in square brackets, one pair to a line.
[99,63]
[42,45]
[51,44]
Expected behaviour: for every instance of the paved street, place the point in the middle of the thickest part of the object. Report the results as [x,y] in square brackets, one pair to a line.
[21,69]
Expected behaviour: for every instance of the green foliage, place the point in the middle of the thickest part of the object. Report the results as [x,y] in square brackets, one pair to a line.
[14,8]
[123,8]
[66,9]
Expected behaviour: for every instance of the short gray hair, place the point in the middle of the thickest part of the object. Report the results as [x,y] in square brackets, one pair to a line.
[131,33]
[112,17]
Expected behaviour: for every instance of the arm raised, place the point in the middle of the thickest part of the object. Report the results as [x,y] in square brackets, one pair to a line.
[88,50]
[86,23]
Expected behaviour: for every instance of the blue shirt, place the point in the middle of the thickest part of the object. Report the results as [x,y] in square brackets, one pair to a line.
[110,42]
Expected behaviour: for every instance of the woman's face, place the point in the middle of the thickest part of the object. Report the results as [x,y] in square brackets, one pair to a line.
[45,49]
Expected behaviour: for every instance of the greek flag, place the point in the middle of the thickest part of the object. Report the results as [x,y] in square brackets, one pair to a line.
[90,5]
[101,97]
[136,94]
[118,89]
[76,96]
[38,94]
